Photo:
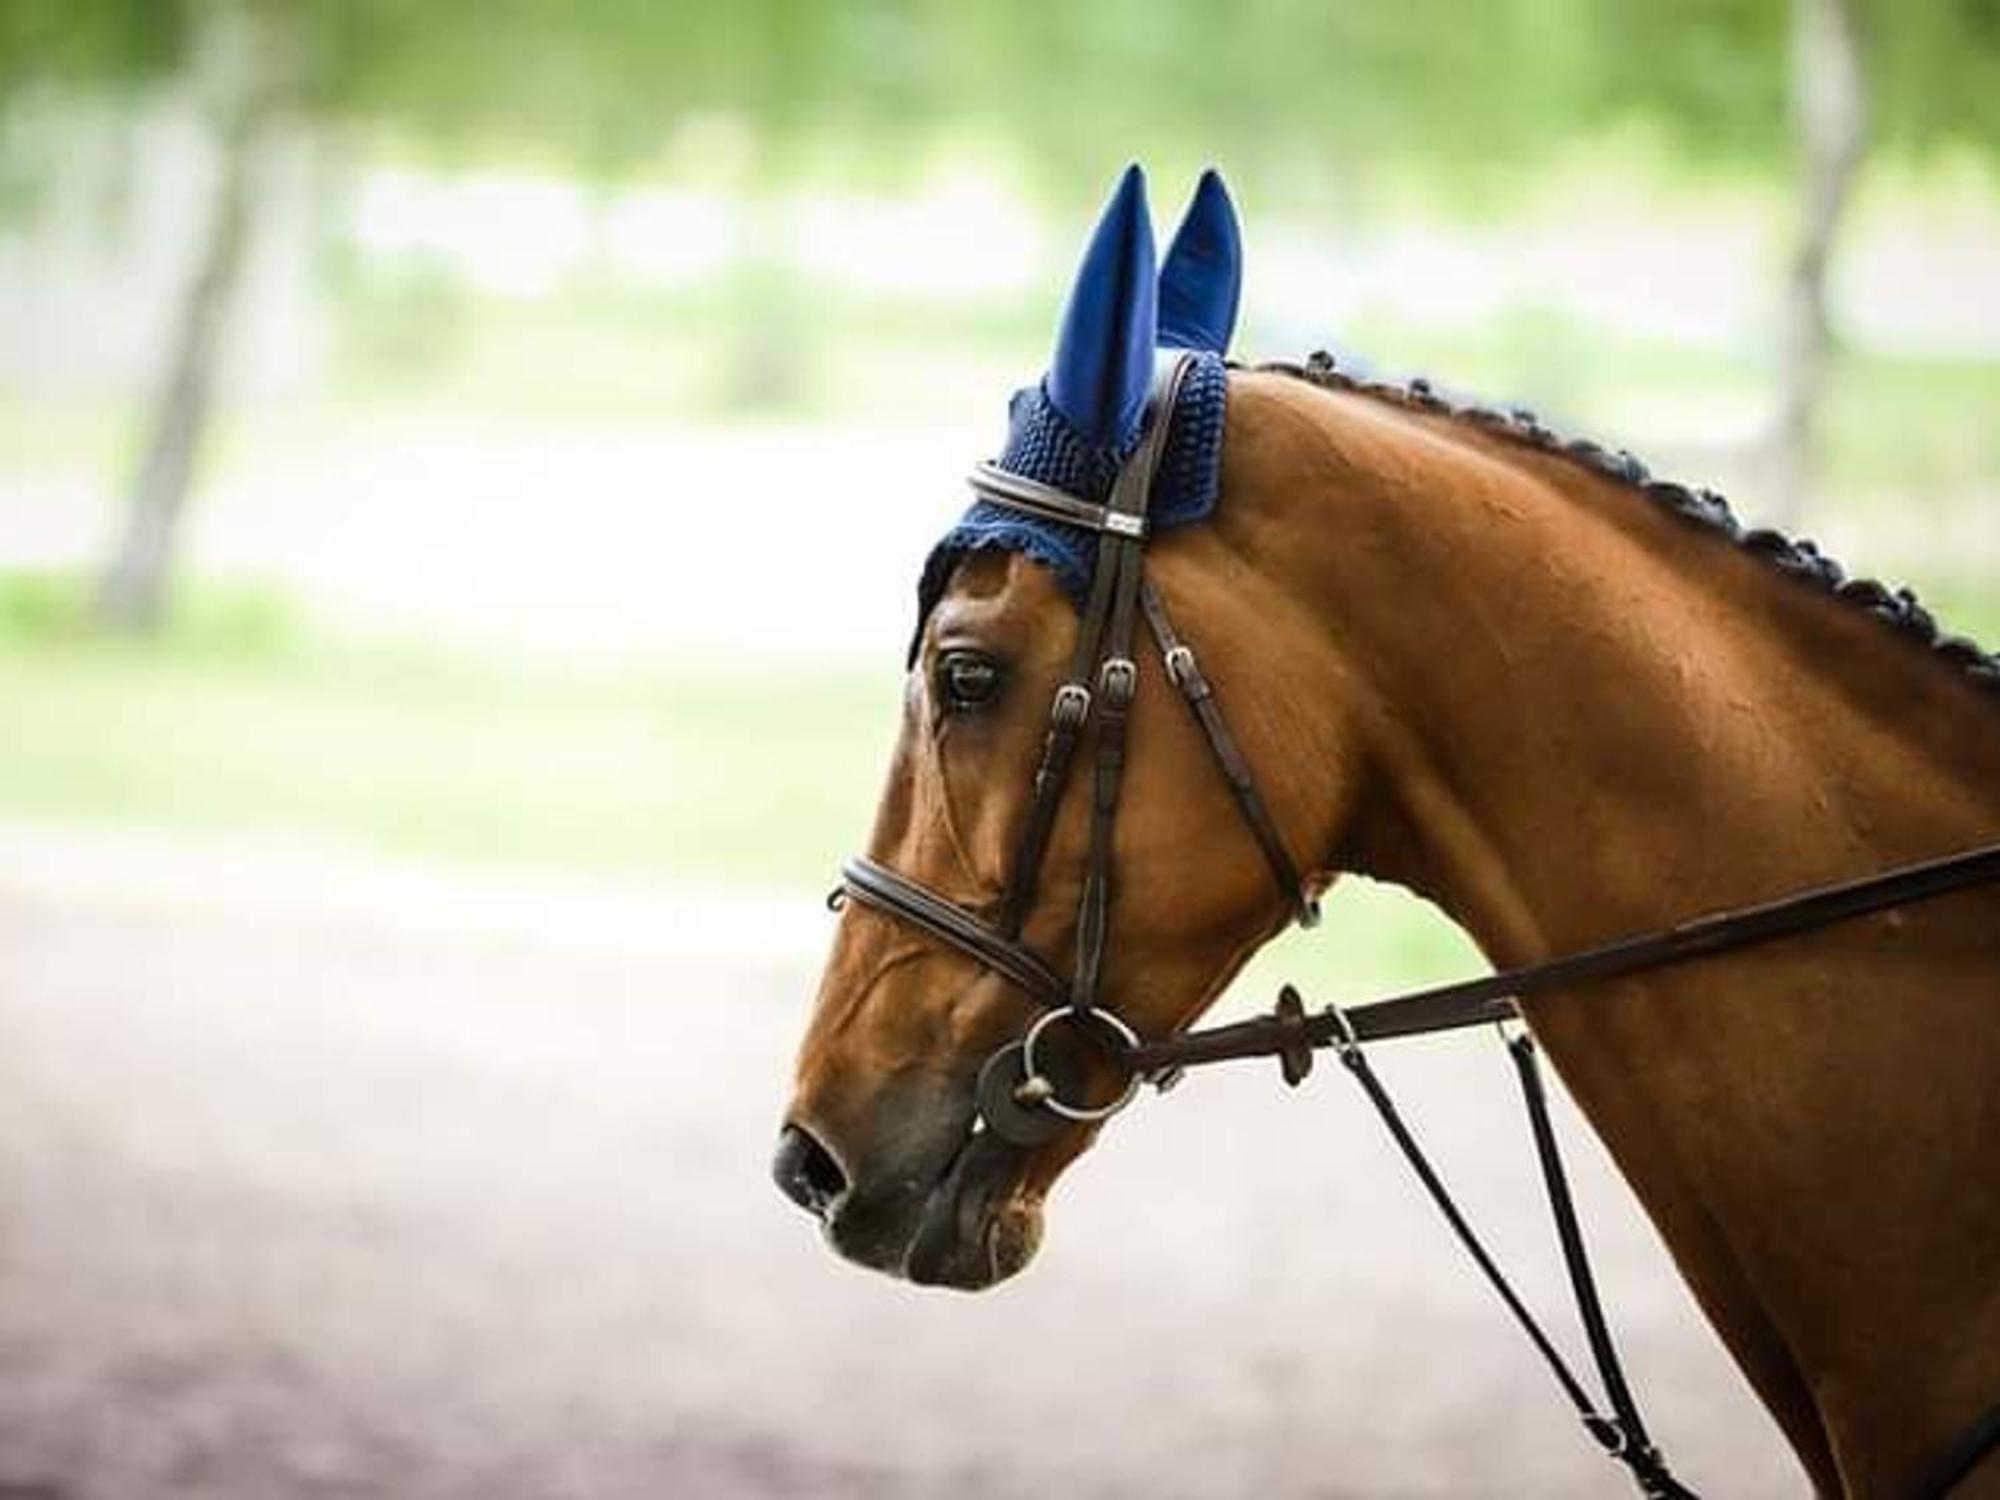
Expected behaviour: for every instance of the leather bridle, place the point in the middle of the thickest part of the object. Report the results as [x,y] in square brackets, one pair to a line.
[1029,1093]
[1020,1098]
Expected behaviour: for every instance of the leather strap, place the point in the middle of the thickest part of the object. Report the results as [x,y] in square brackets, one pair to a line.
[1077,696]
[996,485]
[1067,716]
[1186,674]
[1623,1434]
[882,888]
[1954,1466]
[1117,683]
[1475,1002]
[1102,678]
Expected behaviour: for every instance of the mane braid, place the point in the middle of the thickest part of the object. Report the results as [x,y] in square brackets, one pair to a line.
[1796,558]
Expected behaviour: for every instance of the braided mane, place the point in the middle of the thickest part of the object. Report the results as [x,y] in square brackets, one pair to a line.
[1797,558]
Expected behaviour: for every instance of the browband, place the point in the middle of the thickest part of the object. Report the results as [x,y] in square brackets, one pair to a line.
[992,483]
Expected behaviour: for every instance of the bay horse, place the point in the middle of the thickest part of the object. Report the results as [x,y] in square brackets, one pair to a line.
[1560,700]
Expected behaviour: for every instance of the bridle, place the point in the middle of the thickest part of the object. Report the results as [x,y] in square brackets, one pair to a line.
[1019,1093]
[1028,1092]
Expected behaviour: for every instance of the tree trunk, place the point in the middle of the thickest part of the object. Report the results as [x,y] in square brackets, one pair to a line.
[1830,126]
[247,60]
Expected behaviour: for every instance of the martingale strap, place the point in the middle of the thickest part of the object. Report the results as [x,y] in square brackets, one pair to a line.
[1622,1433]
[1291,1035]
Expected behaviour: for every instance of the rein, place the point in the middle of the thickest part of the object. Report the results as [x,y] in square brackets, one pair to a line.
[1029,1091]
[1291,1035]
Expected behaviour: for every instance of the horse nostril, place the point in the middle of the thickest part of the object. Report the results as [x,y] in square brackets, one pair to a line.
[806,1172]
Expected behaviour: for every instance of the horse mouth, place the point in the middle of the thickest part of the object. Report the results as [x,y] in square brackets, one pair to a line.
[978,1225]
[939,1200]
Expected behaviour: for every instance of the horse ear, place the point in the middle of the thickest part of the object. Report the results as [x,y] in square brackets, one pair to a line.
[1103,363]
[1202,279]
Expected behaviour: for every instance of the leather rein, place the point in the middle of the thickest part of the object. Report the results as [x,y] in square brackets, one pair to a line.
[1029,1092]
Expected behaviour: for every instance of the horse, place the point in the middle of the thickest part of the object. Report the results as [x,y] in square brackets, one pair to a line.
[1559,699]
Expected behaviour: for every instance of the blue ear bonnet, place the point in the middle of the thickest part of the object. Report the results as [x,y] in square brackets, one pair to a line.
[1078,426]
[1042,445]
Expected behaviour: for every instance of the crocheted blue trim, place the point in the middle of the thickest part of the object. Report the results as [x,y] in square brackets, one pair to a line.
[1041,445]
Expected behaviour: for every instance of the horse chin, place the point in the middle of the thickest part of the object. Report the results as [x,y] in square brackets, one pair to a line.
[978,1226]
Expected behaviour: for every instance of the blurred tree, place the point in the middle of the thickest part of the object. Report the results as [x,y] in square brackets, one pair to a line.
[103,43]
[595,85]
[1829,112]
[1813,86]
[89,43]
[246,62]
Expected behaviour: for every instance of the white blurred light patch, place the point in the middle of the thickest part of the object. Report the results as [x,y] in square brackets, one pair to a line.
[668,238]
[525,236]
[507,233]
[972,239]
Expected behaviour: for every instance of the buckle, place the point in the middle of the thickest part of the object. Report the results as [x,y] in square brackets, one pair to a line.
[1186,672]
[1122,523]
[1611,1435]
[1118,680]
[1346,1045]
[1072,706]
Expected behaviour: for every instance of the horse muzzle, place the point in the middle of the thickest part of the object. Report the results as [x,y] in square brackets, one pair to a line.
[961,1221]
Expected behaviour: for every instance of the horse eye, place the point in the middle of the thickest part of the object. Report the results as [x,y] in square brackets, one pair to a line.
[967,680]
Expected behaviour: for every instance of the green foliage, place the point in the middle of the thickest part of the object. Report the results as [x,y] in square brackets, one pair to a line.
[90,41]
[422,753]
[1935,69]
[230,622]
[41,606]
[1327,98]
[405,325]
[1711,73]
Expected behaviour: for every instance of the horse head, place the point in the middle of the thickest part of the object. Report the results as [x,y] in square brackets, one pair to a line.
[883,1139]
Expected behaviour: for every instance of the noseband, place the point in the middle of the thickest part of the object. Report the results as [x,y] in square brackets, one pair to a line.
[1019,1098]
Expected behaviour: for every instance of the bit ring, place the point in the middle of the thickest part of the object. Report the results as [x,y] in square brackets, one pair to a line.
[1081,1113]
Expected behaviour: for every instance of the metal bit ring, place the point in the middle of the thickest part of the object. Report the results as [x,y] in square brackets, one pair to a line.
[1082,1113]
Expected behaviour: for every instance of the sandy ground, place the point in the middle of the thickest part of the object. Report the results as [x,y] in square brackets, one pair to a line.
[324,1179]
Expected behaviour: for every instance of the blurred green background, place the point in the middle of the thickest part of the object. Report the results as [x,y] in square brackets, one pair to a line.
[463,474]
[388,390]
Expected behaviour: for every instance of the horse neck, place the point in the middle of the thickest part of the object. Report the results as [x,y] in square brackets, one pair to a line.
[1577,717]
[1583,714]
